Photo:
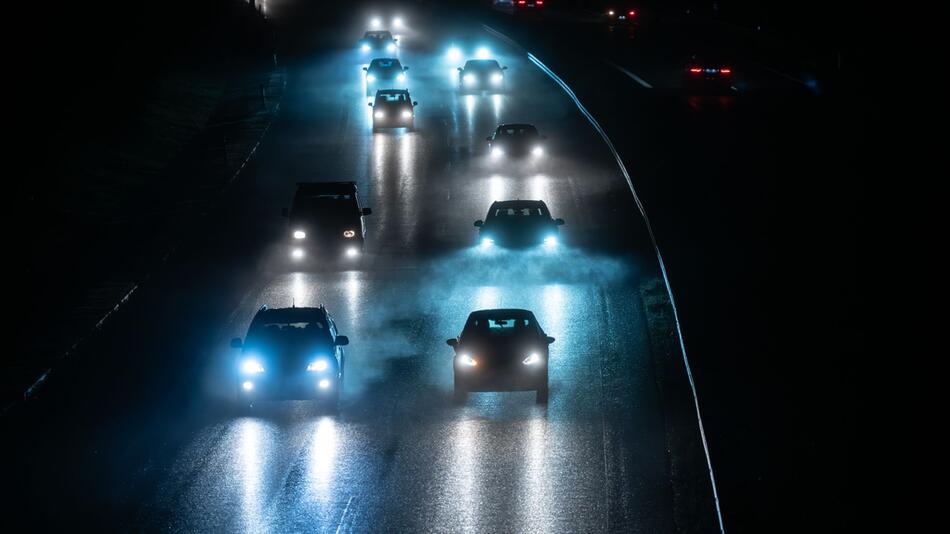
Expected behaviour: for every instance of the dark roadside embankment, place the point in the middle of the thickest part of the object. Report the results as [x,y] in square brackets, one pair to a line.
[134,129]
[754,198]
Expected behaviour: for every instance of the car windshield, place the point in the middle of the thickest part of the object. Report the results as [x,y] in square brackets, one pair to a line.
[481,64]
[499,325]
[298,329]
[516,131]
[385,65]
[383,98]
[377,35]
[517,212]
[329,205]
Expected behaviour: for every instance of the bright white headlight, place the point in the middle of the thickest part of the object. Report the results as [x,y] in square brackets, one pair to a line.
[352,252]
[537,151]
[469,78]
[375,22]
[370,78]
[487,242]
[349,233]
[365,48]
[318,365]
[454,54]
[497,78]
[401,77]
[406,114]
[467,360]
[391,47]
[550,241]
[483,53]
[324,384]
[532,359]
[297,253]
[300,234]
[379,114]
[497,152]
[397,22]
[247,385]
[251,366]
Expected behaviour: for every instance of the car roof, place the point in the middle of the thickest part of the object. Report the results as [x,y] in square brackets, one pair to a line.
[502,312]
[290,315]
[517,204]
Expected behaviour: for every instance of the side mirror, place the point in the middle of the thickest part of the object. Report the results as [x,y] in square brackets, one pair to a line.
[415,103]
[460,69]
[364,68]
[367,211]
[405,68]
[452,342]
[549,339]
[342,341]
[488,138]
[370,104]
[236,343]
[284,212]
[479,223]
[559,222]
[395,40]
[504,68]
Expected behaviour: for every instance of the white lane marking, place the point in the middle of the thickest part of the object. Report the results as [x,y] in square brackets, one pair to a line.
[343,517]
[659,257]
[630,75]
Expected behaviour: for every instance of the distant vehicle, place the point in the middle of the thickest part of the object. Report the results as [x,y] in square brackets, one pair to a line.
[393,108]
[326,221]
[518,6]
[515,140]
[622,15]
[501,350]
[385,73]
[378,40]
[482,75]
[707,74]
[518,223]
[290,354]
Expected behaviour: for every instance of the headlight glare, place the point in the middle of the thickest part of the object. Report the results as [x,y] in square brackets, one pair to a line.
[252,366]
[467,360]
[300,234]
[533,359]
[318,366]
[349,233]
[379,114]
[370,78]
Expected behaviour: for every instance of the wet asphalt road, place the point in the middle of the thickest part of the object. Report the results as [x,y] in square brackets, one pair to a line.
[399,456]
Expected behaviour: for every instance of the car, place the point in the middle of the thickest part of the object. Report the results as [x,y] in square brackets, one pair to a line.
[708,74]
[326,221]
[515,140]
[393,108]
[386,73]
[622,16]
[501,350]
[481,75]
[378,40]
[518,6]
[518,224]
[290,354]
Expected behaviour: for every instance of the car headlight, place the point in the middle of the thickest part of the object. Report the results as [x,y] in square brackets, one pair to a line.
[497,78]
[469,79]
[454,53]
[397,22]
[497,152]
[370,78]
[379,114]
[391,47]
[487,242]
[467,360]
[365,48]
[324,384]
[537,151]
[247,385]
[533,359]
[318,366]
[406,114]
[251,366]
[401,77]
[550,241]
[300,234]
[349,233]
[297,253]
[352,252]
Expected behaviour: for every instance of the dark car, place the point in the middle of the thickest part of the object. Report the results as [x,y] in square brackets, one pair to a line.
[393,108]
[326,221]
[515,140]
[501,350]
[290,354]
[707,74]
[384,73]
[622,15]
[518,223]
[481,75]
[518,6]
[378,40]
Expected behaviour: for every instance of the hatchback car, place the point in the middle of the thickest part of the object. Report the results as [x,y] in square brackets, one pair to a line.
[518,224]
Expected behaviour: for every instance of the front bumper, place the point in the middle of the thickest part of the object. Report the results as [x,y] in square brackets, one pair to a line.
[298,387]
[528,378]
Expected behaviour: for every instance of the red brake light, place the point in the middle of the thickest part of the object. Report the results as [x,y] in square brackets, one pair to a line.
[521,2]
[725,70]
[539,3]
[695,70]
[632,13]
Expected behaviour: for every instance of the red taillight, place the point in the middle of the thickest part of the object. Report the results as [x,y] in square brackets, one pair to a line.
[695,70]
[521,2]
[539,3]
[725,71]
[632,13]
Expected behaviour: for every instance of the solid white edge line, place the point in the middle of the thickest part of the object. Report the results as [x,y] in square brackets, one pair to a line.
[629,74]
[659,257]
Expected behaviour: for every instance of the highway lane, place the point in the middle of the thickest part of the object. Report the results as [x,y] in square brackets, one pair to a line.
[400,456]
